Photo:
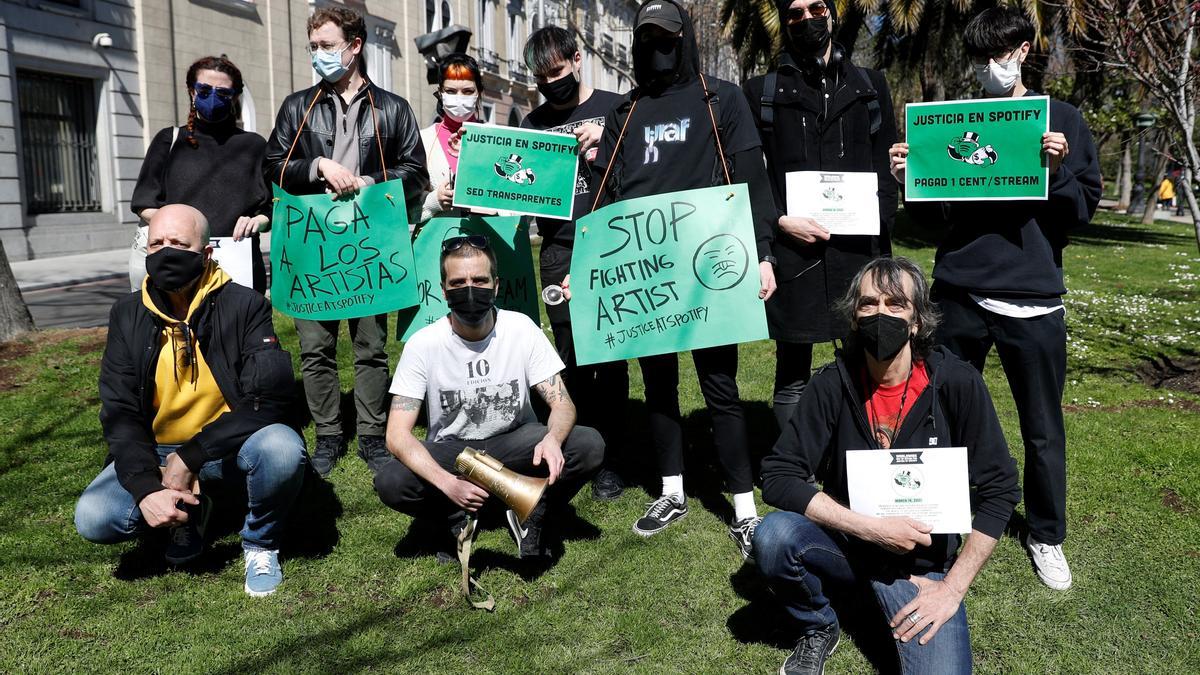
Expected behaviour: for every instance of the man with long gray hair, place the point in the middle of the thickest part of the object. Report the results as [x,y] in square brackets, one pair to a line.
[889,388]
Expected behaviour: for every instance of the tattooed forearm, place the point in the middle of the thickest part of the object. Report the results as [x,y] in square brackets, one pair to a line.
[405,403]
[553,390]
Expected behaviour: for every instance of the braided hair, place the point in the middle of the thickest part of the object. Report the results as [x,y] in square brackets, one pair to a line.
[219,64]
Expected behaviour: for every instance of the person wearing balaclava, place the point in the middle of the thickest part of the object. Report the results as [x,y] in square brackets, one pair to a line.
[195,392]
[888,388]
[998,278]
[671,145]
[820,113]
[601,390]
[336,137]
[460,88]
[208,163]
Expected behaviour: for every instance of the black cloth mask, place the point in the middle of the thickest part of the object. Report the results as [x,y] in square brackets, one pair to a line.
[882,335]
[172,269]
[560,91]
[471,304]
[810,36]
[655,63]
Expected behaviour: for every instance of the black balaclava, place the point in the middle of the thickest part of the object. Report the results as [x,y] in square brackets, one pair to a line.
[794,38]
[658,65]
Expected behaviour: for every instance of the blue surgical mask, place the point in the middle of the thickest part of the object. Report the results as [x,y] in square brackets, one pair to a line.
[329,65]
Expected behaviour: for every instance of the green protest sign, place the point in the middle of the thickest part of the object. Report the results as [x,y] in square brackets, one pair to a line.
[343,258]
[666,273]
[518,170]
[988,149]
[509,238]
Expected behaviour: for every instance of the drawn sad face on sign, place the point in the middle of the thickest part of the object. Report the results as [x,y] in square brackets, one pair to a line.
[721,262]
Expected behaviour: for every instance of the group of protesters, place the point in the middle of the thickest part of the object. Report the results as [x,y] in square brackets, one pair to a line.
[195,387]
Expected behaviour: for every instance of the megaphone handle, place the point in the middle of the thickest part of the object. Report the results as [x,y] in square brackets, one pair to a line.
[465,539]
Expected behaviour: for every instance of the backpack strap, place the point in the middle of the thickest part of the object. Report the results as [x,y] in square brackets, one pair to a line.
[714,109]
[766,103]
[873,109]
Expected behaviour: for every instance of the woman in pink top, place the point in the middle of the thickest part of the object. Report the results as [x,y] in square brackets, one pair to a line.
[459,88]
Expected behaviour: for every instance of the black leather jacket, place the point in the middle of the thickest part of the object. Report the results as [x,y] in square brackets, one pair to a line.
[402,150]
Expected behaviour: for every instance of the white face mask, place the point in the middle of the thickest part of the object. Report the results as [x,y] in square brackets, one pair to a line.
[999,78]
[459,107]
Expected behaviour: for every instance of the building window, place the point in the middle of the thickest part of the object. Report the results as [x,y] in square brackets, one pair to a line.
[437,15]
[622,56]
[606,45]
[58,142]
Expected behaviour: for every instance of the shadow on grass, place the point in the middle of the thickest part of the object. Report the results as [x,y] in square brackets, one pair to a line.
[765,621]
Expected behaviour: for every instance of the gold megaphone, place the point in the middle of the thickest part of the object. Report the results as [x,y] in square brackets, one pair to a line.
[520,493]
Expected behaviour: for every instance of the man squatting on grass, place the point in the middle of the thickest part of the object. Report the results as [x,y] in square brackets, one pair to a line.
[473,368]
[193,387]
[998,280]
[889,388]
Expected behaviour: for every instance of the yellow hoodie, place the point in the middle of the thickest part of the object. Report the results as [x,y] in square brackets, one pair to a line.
[186,397]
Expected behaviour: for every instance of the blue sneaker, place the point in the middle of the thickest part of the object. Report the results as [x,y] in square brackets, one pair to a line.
[263,572]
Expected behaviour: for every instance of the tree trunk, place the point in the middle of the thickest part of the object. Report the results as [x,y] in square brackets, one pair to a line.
[14,315]
[1125,177]
[1160,170]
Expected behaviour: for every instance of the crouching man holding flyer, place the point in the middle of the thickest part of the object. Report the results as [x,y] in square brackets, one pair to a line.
[925,410]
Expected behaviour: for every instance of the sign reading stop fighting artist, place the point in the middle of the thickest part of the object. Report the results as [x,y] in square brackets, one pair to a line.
[665,273]
[989,149]
[344,258]
[517,170]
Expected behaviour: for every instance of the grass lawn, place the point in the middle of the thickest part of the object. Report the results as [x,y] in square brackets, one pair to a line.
[356,598]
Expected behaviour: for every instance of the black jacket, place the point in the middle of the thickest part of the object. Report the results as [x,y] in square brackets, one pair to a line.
[954,410]
[1014,249]
[233,331]
[806,137]
[402,149]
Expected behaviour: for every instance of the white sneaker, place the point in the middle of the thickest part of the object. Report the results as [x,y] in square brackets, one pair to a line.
[1051,565]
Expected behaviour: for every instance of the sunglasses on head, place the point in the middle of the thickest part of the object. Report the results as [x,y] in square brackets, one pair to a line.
[205,90]
[478,241]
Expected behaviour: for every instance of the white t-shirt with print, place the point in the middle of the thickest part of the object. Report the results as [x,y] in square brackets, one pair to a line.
[476,390]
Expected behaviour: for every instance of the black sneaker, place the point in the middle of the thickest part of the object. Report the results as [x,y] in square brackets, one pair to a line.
[742,534]
[528,535]
[326,454]
[607,486]
[811,652]
[186,542]
[373,450]
[661,513]
[456,527]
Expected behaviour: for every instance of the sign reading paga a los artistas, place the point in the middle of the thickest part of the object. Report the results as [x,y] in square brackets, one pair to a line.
[989,149]
[508,238]
[517,170]
[342,258]
[666,273]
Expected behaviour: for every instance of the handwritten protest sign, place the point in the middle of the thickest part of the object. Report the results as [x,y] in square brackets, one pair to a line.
[508,237]
[517,170]
[344,258]
[989,149]
[666,273]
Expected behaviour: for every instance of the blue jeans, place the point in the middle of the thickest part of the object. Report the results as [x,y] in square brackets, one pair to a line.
[802,561]
[271,462]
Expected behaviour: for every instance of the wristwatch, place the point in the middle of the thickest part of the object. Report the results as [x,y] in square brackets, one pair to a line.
[770,259]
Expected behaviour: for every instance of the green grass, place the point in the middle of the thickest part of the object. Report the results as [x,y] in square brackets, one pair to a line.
[680,602]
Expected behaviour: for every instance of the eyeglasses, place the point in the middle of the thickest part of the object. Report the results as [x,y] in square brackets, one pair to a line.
[816,10]
[313,48]
[479,241]
[205,90]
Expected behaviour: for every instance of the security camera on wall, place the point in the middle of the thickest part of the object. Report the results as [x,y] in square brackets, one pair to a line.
[437,45]
[102,41]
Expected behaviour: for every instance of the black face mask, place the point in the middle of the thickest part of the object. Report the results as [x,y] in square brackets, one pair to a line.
[471,304]
[810,36]
[561,90]
[655,63]
[171,269]
[882,335]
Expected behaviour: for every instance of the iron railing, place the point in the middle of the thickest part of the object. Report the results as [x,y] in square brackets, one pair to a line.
[58,142]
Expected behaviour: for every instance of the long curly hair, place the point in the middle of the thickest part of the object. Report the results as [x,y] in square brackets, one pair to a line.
[888,276]
[219,64]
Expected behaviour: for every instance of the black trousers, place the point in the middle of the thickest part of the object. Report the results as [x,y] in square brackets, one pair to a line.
[1033,353]
[401,489]
[793,368]
[716,368]
[600,391]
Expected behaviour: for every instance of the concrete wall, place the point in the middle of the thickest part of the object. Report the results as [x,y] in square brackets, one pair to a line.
[46,36]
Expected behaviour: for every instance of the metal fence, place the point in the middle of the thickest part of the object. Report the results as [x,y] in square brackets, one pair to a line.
[58,142]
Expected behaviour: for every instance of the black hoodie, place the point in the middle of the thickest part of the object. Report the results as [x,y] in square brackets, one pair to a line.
[669,143]
[954,410]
